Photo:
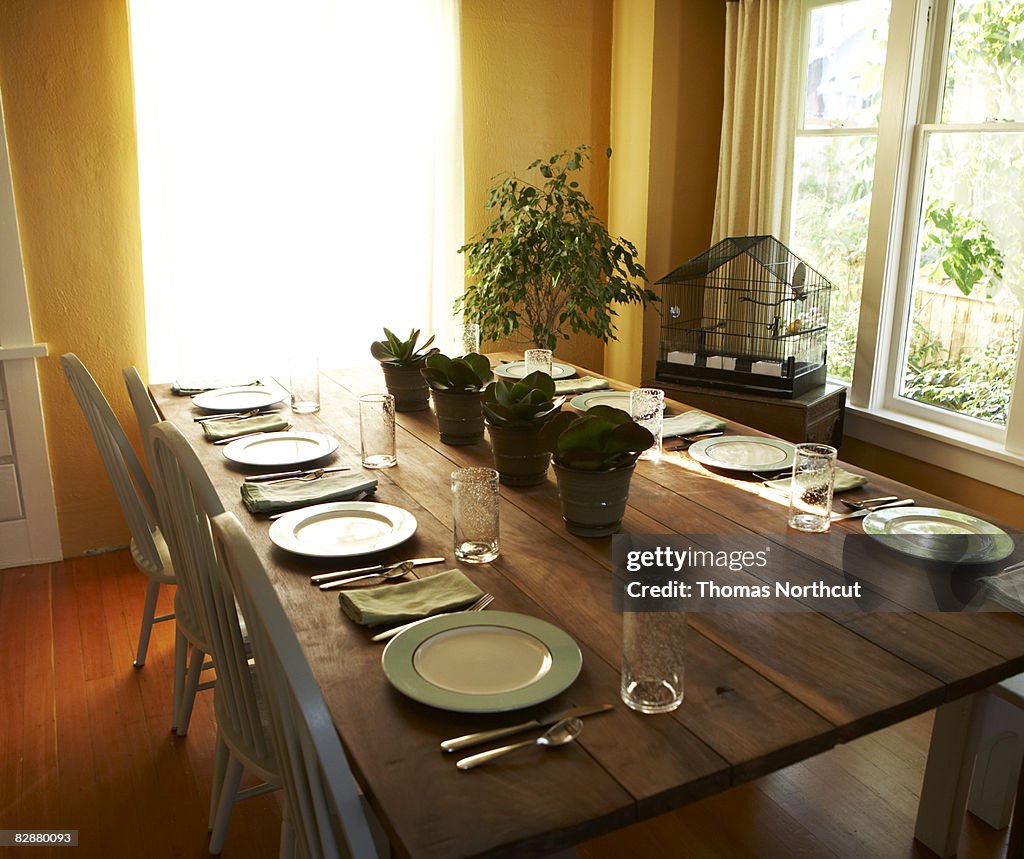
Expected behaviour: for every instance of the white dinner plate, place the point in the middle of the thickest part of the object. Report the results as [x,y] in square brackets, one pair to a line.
[615,399]
[482,662]
[744,453]
[241,398]
[934,534]
[342,529]
[280,448]
[517,370]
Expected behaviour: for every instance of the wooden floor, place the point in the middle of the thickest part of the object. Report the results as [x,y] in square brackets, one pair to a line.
[85,744]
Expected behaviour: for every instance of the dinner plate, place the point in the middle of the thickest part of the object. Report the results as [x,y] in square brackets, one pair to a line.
[241,398]
[342,529]
[482,662]
[744,453]
[517,369]
[934,534]
[280,448]
[615,399]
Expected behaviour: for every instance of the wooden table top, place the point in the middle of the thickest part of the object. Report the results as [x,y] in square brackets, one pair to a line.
[762,690]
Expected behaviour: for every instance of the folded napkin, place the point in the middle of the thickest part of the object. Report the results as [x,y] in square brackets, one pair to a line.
[217,430]
[273,498]
[445,591]
[580,386]
[1007,588]
[690,423]
[188,387]
[845,481]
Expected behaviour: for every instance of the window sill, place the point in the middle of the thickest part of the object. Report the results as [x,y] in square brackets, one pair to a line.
[938,445]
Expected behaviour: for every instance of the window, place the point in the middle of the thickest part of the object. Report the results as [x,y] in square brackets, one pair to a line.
[927,111]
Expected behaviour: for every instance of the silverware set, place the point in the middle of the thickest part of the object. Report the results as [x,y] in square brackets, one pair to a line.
[864,510]
[236,416]
[479,605]
[246,435]
[286,476]
[683,442]
[342,578]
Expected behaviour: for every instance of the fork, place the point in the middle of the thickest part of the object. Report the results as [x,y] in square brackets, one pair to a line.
[479,605]
[235,416]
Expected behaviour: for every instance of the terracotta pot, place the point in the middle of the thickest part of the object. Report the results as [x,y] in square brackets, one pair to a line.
[519,456]
[460,417]
[593,502]
[407,386]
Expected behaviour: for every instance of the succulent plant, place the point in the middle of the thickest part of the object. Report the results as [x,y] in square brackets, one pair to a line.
[402,353]
[465,375]
[601,439]
[527,402]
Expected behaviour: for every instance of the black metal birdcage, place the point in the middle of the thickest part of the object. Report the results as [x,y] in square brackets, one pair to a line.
[746,315]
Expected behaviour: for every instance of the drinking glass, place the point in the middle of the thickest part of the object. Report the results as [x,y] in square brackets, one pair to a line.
[475,514]
[810,492]
[647,408]
[653,660]
[537,359]
[467,338]
[304,373]
[377,430]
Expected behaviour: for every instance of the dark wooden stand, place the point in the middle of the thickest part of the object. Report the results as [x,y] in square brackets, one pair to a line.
[814,416]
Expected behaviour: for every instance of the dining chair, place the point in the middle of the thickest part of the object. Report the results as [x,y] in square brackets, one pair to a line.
[133,490]
[188,501]
[145,412]
[325,813]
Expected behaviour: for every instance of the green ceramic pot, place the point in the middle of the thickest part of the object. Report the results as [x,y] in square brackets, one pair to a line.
[460,417]
[593,502]
[519,457]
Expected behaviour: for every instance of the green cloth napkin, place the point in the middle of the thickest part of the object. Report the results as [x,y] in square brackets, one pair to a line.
[217,430]
[580,386]
[273,498]
[447,591]
[189,387]
[845,481]
[690,423]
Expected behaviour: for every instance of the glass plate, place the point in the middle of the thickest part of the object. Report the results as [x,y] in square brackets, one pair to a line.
[280,448]
[342,529]
[482,662]
[744,453]
[517,369]
[241,398]
[939,535]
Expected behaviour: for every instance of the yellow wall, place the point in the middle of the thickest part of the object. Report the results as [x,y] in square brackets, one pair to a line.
[66,87]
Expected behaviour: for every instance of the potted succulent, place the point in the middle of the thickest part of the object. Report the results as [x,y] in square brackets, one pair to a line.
[515,413]
[546,265]
[594,456]
[456,385]
[401,362]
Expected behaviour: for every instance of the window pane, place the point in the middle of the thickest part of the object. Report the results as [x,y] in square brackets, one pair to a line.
[964,329]
[845,58]
[985,66]
[831,203]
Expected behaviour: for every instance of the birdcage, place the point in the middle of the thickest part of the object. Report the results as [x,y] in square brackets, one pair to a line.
[746,315]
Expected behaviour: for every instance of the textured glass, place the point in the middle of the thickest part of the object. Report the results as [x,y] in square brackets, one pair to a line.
[377,430]
[467,338]
[810,493]
[653,660]
[537,360]
[475,514]
[647,408]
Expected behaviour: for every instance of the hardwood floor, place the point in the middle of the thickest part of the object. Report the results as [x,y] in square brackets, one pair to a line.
[85,744]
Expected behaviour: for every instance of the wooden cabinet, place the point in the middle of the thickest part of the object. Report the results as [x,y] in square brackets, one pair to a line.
[814,416]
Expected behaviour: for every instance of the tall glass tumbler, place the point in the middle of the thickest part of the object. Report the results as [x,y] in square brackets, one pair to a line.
[653,660]
[810,492]
[304,373]
[475,514]
[537,359]
[647,408]
[467,338]
[377,430]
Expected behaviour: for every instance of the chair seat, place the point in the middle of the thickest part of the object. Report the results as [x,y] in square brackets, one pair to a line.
[165,575]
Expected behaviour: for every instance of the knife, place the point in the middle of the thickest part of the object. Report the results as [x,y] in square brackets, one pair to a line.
[476,739]
[284,475]
[859,514]
[245,435]
[340,575]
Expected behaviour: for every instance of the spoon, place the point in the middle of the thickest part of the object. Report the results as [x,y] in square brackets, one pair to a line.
[558,734]
[402,569]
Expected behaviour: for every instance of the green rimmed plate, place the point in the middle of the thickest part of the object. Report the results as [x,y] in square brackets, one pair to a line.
[615,399]
[933,534]
[476,662]
[516,370]
[744,453]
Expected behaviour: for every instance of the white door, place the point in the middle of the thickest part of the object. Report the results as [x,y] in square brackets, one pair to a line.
[28,516]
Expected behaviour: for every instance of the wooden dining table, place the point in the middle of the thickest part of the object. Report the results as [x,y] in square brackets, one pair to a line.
[763,690]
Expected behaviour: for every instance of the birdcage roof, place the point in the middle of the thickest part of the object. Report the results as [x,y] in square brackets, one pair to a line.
[767,251]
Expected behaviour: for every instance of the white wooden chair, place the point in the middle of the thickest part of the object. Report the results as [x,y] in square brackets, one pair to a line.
[187,501]
[324,810]
[133,490]
[145,412]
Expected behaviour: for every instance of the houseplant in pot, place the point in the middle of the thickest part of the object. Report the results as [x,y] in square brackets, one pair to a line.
[515,413]
[594,455]
[546,265]
[456,386]
[401,362]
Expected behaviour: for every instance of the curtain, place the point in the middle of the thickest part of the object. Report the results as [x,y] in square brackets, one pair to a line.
[300,172]
[758,118]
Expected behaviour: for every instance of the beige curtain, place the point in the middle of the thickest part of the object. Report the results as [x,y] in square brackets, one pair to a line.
[758,118]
